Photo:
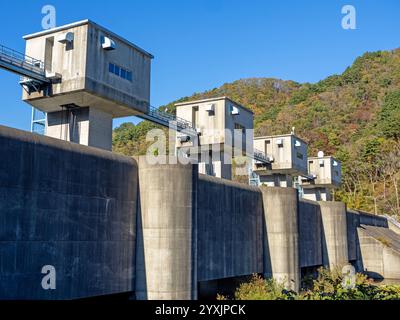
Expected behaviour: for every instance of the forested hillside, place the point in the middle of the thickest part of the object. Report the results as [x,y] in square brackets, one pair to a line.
[354,116]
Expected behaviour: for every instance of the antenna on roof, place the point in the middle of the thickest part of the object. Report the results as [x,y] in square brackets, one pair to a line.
[293,130]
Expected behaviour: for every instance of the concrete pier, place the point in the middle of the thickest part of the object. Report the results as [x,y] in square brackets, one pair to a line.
[282,236]
[166,259]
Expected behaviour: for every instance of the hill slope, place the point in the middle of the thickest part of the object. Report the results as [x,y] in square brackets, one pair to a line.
[354,116]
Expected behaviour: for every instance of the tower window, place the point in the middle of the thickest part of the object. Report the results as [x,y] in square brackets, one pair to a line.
[117,70]
[120,72]
[300,156]
[240,127]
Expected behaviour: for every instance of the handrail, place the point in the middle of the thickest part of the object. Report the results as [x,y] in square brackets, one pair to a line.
[167,119]
[21,59]
[184,124]
[260,156]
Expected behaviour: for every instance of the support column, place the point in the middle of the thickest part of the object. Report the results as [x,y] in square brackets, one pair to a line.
[317,194]
[334,231]
[277,180]
[215,165]
[281,248]
[86,126]
[166,261]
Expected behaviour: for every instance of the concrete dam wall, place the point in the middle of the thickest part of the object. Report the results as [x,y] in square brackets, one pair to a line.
[230,222]
[68,206]
[110,224]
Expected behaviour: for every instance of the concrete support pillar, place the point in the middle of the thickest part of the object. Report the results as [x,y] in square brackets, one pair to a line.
[281,249]
[334,231]
[277,180]
[317,194]
[86,126]
[166,265]
[215,165]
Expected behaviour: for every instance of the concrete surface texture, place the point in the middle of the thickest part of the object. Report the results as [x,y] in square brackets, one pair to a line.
[167,268]
[353,221]
[230,229]
[282,235]
[356,220]
[69,206]
[276,180]
[215,165]
[317,194]
[334,224]
[87,126]
[310,234]
[380,251]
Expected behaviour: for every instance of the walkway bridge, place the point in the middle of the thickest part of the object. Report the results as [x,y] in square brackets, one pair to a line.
[32,70]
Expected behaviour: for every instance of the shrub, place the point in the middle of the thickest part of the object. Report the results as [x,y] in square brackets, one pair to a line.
[260,289]
[327,286]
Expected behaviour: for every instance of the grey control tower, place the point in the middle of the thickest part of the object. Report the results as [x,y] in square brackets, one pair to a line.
[328,177]
[94,76]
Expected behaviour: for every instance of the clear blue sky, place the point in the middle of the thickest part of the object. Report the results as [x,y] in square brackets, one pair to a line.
[201,44]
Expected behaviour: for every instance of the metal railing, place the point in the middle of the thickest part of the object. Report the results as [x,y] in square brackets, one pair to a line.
[167,119]
[22,64]
[21,60]
[260,156]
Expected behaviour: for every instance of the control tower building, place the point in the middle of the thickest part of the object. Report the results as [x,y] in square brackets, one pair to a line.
[328,177]
[225,130]
[95,75]
[288,154]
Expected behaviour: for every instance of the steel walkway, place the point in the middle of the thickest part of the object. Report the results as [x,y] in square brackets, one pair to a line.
[169,120]
[22,65]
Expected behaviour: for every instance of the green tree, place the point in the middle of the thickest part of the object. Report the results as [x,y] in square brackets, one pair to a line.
[389,116]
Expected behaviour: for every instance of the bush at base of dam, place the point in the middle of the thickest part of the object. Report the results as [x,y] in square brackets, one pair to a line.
[327,286]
